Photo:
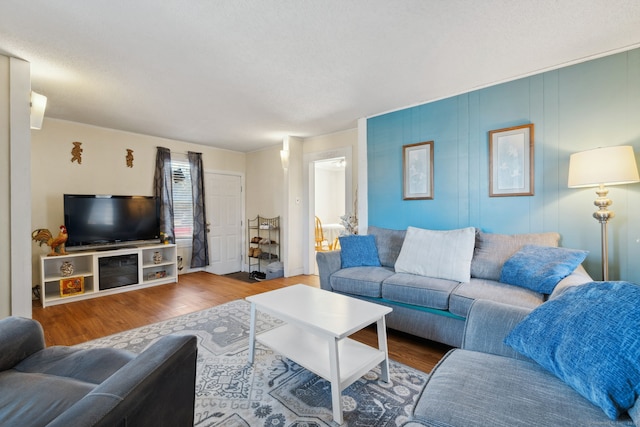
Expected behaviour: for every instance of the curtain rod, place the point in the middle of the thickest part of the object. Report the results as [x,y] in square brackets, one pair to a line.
[185,153]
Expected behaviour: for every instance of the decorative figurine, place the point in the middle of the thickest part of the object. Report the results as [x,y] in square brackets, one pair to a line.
[76,152]
[57,244]
[129,158]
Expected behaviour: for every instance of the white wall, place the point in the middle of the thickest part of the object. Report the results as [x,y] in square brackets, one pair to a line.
[294,211]
[20,152]
[15,274]
[342,139]
[5,191]
[265,177]
[103,169]
[330,195]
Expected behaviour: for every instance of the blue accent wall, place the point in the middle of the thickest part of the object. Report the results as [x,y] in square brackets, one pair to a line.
[584,106]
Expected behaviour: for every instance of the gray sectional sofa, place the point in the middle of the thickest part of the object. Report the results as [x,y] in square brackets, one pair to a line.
[71,387]
[540,343]
[487,383]
[436,308]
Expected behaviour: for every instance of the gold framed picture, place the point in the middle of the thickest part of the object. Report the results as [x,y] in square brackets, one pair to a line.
[511,161]
[71,286]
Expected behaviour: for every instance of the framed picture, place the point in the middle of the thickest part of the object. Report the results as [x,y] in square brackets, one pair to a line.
[511,161]
[71,286]
[417,168]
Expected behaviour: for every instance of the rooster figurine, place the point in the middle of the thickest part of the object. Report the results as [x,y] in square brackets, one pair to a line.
[57,244]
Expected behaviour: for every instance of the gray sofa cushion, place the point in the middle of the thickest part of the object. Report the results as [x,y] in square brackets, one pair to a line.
[362,281]
[634,413]
[473,389]
[492,250]
[418,290]
[488,324]
[464,295]
[389,243]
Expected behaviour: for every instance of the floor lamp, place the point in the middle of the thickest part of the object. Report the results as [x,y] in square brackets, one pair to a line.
[597,168]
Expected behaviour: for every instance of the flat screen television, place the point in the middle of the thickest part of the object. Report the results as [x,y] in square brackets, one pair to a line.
[108,220]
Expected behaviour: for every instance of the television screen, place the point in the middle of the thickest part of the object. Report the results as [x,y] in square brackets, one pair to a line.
[96,219]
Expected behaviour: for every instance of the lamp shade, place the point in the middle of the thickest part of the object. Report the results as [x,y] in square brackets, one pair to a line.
[607,166]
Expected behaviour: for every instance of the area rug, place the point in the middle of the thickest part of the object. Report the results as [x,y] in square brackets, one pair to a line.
[274,391]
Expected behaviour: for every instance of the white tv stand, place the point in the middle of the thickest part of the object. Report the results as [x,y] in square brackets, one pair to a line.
[89,265]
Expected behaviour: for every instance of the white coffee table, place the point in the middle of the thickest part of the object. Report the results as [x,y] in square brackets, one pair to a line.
[316,332]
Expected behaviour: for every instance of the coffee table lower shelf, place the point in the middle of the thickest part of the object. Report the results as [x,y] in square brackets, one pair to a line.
[313,353]
[316,335]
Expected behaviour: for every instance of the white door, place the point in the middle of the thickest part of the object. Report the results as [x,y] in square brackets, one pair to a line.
[223,195]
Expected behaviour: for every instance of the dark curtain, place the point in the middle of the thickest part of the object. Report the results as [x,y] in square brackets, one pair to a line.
[163,190]
[200,253]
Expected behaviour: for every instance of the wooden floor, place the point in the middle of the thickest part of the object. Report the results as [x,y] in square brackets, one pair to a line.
[81,321]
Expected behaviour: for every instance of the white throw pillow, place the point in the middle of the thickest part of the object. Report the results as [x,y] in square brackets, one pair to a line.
[440,254]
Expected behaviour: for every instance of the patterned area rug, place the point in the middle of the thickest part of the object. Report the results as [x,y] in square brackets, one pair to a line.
[274,391]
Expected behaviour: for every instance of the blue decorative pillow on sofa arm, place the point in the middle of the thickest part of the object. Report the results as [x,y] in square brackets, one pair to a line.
[540,268]
[358,251]
[589,337]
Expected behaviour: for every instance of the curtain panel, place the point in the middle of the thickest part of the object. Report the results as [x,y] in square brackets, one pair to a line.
[163,191]
[200,246]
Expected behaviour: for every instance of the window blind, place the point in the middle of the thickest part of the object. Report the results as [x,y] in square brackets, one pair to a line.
[182,199]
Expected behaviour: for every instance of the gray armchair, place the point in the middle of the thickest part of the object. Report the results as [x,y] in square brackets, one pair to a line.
[66,386]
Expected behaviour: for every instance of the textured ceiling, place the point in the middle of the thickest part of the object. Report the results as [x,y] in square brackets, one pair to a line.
[241,74]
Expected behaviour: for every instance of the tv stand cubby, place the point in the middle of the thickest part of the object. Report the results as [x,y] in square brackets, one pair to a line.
[103,272]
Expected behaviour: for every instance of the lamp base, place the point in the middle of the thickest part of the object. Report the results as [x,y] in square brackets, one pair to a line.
[603,215]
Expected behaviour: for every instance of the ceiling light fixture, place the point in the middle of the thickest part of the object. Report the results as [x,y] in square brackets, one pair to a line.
[38,105]
[284,153]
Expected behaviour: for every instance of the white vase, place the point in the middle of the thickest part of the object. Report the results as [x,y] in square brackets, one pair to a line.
[157,257]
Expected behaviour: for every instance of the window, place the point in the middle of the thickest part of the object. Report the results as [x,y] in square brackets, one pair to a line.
[182,199]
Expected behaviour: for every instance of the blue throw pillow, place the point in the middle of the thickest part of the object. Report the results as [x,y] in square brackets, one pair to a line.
[540,268]
[589,337]
[358,251]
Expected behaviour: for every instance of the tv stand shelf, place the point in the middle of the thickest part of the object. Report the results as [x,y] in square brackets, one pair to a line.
[103,272]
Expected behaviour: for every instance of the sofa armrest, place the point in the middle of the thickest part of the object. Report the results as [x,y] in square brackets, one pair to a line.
[577,278]
[19,339]
[488,324]
[328,263]
[157,388]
